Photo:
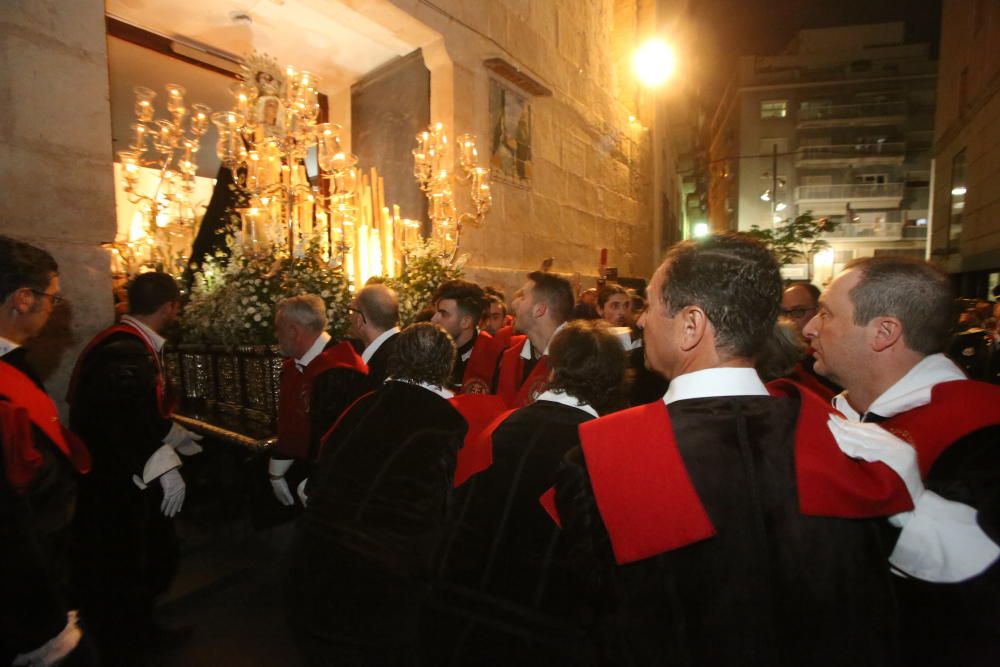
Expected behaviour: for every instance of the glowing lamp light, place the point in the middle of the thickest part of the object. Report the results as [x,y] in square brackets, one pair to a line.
[780,206]
[959,191]
[655,62]
[700,230]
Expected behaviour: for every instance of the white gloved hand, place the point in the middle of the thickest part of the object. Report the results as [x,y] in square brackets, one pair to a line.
[56,649]
[174,489]
[276,469]
[301,492]
[871,442]
[183,440]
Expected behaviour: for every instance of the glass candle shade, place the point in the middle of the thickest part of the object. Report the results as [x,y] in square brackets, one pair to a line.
[229,145]
[144,103]
[199,119]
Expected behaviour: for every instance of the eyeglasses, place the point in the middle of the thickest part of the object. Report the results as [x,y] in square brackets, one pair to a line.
[352,309]
[56,299]
[796,313]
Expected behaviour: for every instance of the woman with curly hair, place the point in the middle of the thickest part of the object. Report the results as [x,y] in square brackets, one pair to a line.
[375,511]
[505,592]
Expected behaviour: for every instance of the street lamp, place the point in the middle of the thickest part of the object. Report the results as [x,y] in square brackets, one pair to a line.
[655,62]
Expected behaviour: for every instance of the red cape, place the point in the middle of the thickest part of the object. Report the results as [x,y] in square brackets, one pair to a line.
[483,413]
[478,375]
[296,390]
[515,392]
[649,504]
[956,410]
[164,401]
[26,404]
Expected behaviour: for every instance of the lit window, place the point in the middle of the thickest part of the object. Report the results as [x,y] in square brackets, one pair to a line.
[774,109]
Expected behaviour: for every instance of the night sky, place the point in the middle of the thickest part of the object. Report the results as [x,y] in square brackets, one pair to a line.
[725,29]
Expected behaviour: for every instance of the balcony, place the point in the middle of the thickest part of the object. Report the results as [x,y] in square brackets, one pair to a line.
[834,199]
[861,231]
[845,155]
[852,115]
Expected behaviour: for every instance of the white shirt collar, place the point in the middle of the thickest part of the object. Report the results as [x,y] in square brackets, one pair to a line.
[910,391]
[155,340]
[712,382]
[440,391]
[7,345]
[377,343]
[526,350]
[314,351]
[561,397]
[475,338]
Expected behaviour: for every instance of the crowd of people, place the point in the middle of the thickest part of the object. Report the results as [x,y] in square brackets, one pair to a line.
[727,470]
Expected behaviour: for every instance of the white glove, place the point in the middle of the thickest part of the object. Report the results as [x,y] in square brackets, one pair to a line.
[276,469]
[183,440]
[174,489]
[56,649]
[871,442]
[301,492]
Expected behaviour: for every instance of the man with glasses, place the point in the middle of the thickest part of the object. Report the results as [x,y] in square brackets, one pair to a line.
[799,303]
[38,461]
[374,319]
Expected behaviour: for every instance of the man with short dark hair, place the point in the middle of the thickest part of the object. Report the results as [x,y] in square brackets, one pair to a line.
[374,321]
[723,524]
[376,507]
[882,326]
[494,314]
[541,307]
[458,307]
[126,549]
[614,305]
[38,462]
[319,379]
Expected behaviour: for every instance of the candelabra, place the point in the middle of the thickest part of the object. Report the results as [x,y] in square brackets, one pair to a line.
[167,212]
[437,179]
[264,140]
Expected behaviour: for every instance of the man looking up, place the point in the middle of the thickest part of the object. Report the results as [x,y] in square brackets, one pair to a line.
[458,306]
[722,522]
[374,320]
[37,461]
[541,307]
[127,551]
[319,379]
[880,332]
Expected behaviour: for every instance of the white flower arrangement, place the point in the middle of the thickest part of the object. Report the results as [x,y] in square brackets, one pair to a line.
[232,303]
[426,265]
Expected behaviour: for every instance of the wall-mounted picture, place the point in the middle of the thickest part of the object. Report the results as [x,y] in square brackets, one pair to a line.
[510,125]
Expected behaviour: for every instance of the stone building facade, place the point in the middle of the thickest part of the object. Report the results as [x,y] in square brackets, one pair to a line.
[965,234]
[593,184]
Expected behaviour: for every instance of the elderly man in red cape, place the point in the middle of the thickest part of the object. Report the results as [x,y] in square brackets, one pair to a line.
[880,332]
[319,379]
[722,525]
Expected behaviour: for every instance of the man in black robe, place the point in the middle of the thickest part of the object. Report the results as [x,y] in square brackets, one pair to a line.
[885,347]
[505,593]
[37,477]
[125,548]
[374,322]
[377,498]
[721,525]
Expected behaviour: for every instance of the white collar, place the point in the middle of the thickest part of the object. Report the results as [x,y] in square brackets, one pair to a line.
[377,343]
[475,339]
[712,382]
[154,339]
[314,351]
[910,391]
[7,345]
[561,397]
[526,350]
[440,391]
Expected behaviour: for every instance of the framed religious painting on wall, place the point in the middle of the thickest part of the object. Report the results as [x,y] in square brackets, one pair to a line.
[510,135]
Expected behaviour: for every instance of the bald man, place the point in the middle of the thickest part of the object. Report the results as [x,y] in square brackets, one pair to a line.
[374,319]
